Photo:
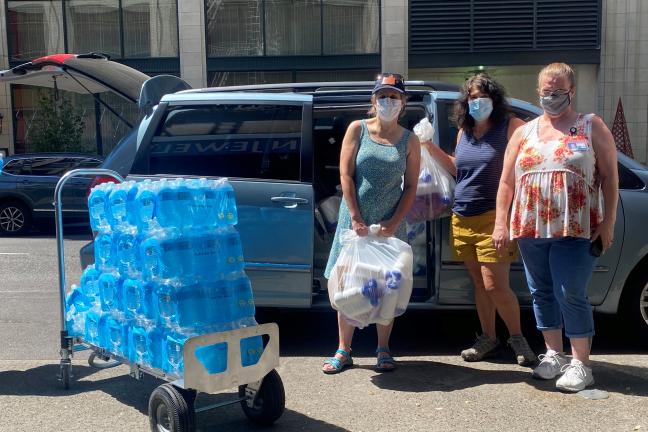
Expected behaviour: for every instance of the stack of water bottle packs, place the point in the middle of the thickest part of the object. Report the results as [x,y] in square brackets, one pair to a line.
[371,281]
[168,266]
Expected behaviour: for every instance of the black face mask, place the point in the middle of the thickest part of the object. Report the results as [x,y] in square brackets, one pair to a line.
[555,104]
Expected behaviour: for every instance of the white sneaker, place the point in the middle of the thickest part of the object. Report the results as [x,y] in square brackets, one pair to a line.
[550,365]
[576,377]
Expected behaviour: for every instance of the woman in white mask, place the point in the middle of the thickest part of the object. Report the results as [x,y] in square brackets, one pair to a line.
[560,174]
[486,124]
[377,154]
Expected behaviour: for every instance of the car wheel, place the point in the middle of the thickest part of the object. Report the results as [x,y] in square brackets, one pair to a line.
[15,218]
[635,305]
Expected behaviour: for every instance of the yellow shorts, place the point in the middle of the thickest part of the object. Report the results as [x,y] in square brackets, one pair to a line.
[472,241]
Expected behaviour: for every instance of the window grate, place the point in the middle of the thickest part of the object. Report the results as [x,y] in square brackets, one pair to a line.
[444,26]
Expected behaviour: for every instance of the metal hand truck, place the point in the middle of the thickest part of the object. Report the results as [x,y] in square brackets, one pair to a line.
[172,405]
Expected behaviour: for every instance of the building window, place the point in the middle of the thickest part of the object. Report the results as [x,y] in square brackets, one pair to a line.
[35,28]
[134,29]
[289,27]
[351,26]
[152,28]
[238,28]
[234,28]
[236,78]
[93,26]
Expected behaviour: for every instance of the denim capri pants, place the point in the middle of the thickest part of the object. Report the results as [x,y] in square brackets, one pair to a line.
[558,272]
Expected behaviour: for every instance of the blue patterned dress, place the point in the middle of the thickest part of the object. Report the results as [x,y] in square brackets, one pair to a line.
[378,178]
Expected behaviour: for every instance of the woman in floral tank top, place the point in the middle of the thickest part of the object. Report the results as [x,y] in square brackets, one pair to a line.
[560,174]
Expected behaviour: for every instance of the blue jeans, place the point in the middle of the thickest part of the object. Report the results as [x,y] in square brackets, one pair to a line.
[558,272]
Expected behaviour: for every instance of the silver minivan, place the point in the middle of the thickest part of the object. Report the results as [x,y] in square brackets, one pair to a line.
[279,145]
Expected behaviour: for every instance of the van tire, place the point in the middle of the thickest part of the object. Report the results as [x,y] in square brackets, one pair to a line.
[634,305]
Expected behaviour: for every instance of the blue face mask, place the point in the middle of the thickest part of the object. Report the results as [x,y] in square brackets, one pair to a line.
[480,109]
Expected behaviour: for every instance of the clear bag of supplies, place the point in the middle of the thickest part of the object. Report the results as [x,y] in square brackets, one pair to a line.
[371,281]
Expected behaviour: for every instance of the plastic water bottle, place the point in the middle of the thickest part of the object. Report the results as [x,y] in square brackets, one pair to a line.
[165,203]
[92,326]
[133,298]
[144,206]
[191,306]
[227,214]
[109,291]
[220,304]
[127,250]
[207,255]
[173,353]
[232,251]
[103,251]
[151,258]
[117,331]
[76,305]
[241,290]
[138,342]
[89,282]
[97,205]
[117,212]
[150,306]
[166,293]
[212,202]
[184,205]
[155,338]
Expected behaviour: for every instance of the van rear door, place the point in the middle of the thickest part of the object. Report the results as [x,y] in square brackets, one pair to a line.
[263,143]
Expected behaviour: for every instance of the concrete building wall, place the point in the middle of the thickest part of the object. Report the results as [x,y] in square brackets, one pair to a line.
[6,137]
[394,42]
[193,54]
[624,69]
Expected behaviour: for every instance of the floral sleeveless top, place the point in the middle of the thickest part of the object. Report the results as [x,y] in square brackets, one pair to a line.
[557,189]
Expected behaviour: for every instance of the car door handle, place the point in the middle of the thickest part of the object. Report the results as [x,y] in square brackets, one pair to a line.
[288,201]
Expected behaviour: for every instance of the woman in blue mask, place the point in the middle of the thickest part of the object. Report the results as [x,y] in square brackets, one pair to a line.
[377,156]
[485,126]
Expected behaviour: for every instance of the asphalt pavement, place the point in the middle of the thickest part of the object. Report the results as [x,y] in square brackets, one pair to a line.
[432,389]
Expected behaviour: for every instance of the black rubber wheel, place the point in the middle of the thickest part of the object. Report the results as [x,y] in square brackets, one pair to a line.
[66,375]
[15,219]
[270,400]
[169,411]
[634,306]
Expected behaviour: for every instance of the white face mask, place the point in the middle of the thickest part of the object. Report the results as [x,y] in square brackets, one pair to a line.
[388,109]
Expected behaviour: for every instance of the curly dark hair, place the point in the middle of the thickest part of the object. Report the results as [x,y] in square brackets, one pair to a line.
[491,88]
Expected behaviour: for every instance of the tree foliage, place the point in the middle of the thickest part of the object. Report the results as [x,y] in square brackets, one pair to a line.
[57,127]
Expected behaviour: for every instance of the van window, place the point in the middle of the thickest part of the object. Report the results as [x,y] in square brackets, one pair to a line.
[239,140]
[13,167]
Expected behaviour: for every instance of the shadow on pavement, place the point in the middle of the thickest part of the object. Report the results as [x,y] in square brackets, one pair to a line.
[428,376]
[42,381]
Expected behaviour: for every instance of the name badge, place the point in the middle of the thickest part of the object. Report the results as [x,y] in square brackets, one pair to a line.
[577,145]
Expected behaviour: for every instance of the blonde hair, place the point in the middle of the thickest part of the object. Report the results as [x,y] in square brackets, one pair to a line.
[558,70]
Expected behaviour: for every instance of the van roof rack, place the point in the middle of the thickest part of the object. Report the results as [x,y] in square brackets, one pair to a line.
[326,87]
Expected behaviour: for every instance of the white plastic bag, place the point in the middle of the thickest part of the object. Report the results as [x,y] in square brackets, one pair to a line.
[371,281]
[434,192]
[424,130]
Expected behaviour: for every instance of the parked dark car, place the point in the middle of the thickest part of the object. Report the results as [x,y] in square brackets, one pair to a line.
[27,185]
[279,144]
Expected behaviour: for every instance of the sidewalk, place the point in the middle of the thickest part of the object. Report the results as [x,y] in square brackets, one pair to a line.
[426,393]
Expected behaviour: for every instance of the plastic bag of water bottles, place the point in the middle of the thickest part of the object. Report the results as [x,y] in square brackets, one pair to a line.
[371,281]
[434,191]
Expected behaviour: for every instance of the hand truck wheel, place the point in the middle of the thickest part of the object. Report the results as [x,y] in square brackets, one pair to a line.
[269,402]
[65,373]
[169,411]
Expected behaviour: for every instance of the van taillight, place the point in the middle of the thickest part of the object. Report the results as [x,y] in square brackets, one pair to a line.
[97,181]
